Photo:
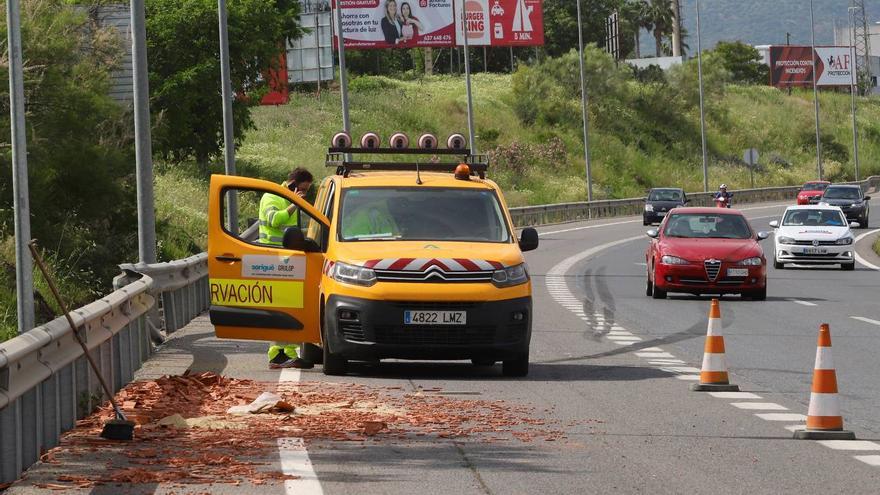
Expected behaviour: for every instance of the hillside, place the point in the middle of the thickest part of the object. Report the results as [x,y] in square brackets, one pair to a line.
[297,134]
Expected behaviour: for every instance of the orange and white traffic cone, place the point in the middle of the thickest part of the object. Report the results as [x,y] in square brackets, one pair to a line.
[824,421]
[713,374]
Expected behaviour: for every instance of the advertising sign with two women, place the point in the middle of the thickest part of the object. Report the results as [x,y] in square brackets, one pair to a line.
[397,23]
[431,23]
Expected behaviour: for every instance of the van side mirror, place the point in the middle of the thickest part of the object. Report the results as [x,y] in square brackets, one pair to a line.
[294,240]
[528,240]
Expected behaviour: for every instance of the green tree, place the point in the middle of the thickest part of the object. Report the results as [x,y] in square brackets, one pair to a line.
[743,62]
[183,51]
[659,20]
[80,159]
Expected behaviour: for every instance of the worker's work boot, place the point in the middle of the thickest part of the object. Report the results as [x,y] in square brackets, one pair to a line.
[281,360]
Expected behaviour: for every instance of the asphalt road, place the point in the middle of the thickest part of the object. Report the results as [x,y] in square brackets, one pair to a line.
[611,368]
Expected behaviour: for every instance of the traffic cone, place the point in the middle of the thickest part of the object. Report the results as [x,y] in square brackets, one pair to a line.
[824,421]
[713,374]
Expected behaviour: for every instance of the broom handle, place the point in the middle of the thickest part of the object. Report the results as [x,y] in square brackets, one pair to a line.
[39,259]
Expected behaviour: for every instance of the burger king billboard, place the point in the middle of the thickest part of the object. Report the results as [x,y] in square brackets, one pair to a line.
[500,22]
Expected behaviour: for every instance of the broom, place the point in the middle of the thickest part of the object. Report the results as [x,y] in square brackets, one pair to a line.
[115,429]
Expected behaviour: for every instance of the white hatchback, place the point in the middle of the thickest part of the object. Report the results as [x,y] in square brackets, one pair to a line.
[813,235]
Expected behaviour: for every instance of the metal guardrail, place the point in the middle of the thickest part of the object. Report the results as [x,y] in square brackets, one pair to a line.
[181,287]
[45,382]
[531,216]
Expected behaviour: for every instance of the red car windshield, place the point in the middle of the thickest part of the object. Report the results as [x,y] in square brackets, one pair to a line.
[707,226]
[813,186]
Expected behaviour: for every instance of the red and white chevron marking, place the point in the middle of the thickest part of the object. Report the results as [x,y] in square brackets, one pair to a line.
[421,264]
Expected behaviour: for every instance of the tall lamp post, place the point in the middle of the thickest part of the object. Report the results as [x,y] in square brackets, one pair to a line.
[584,113]
[815,91]
[702,108]
[853,89]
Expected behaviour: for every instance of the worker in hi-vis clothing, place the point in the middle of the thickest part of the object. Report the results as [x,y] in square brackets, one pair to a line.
[276,215]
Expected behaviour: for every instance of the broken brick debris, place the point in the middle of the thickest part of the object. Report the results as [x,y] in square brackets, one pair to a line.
[202,454]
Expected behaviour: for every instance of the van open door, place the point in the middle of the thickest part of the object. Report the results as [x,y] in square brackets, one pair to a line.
[260,289]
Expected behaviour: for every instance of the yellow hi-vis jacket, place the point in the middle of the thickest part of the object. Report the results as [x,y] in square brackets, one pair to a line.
[274,219]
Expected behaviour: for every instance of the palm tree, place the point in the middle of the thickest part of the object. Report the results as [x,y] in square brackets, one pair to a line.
[633,12]
[659,16]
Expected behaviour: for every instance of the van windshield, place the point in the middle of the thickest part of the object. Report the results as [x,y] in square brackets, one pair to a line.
[421,214]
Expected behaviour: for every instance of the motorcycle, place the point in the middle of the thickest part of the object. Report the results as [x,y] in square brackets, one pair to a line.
[723,202]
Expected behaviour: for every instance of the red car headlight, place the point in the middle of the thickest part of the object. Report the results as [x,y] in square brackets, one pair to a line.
[674,260]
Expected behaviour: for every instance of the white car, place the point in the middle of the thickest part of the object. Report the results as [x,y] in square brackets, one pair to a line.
[813,235]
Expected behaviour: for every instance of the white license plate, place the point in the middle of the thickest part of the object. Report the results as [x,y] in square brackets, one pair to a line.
[412,317]
[811,250]
[661,213]
[737,272]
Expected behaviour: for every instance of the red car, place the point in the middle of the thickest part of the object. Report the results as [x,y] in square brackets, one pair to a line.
[811,191]
[706,251]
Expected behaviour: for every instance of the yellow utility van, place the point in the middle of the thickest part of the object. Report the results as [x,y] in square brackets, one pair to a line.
[410,259]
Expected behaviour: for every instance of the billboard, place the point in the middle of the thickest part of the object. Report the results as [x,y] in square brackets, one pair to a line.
[500,22]
[310,58]
[792,66]
[368,24]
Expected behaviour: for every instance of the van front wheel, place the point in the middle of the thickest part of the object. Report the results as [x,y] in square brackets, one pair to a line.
[518,366]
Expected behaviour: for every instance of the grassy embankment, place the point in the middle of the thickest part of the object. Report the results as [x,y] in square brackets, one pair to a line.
[877,245]
[297,134]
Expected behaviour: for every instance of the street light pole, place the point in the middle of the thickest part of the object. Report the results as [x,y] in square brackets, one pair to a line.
[584,113]
[853,89]
[702,108]
[343,74]
[143,148]
[815,90]
[228,129]
[467,79]
[24,268]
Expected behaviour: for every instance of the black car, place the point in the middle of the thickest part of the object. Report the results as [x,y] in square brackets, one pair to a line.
[660,200]
[851,200]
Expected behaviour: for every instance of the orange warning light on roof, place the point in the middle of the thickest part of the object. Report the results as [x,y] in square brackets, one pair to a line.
[463,172]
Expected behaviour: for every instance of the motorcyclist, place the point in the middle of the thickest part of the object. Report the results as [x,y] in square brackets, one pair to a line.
[723,199]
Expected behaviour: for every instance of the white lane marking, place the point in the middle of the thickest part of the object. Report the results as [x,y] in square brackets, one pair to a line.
[610,224]
[666,362]
[781,416]
[619,332]
[622,342]
[794,428]
[871,460]
[653,349]
[802,303]
[866,320]
[642,263]
[575,229]
[859,258]
[293,455]
[850,444]
[631,338]
[735,395]
[688,377]
[680,369]
[655,355]
[759,406]
[295,462]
